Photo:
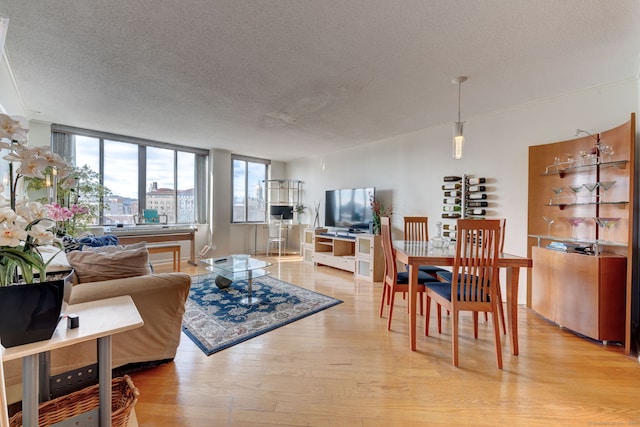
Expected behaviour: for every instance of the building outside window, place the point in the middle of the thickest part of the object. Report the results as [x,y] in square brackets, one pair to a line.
[143,176]
[248,195]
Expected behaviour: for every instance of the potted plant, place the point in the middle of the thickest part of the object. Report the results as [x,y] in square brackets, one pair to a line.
[378,210]
[30,303]
[299,210]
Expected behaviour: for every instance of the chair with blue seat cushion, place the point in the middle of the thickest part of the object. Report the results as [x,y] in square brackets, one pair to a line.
[395,281]
[474,279]
[416,228]
[447,276]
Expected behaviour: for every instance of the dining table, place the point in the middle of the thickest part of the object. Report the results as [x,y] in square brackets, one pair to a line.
[416,253]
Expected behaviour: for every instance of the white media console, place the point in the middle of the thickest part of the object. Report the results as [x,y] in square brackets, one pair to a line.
[359,253]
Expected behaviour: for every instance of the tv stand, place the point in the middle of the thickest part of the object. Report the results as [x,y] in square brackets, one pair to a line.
[359,253]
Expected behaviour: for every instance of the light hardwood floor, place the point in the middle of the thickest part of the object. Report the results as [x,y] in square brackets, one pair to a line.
[341,367]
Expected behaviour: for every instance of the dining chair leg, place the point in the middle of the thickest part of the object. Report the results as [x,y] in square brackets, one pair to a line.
[454,337]
[391,302]
[439,313]
[501,312]
[427,317]
[385,296]
[496,333]
[475,324]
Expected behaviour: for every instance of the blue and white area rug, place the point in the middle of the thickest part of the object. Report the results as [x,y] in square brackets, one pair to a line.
[216,319]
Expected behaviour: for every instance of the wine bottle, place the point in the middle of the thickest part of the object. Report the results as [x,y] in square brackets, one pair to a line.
[451,215]
[453,208]
[476,211]
[476,181]
[455,193]
[451,186]
[450,227]
[477,196]
[482,204]
[476,188]
[452,178]
[452,201]
[450,234]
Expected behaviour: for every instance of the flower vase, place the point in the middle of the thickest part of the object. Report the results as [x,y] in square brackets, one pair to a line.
[31,312]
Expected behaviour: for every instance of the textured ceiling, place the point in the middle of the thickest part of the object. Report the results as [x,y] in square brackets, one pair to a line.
[284,79]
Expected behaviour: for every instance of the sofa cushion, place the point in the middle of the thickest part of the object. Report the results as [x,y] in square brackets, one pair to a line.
[93,266]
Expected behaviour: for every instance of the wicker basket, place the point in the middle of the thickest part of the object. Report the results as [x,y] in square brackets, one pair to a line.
[124,396]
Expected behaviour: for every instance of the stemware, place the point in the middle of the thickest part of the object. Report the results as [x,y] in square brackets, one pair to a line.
[583,155]
[576,188]
[549,220]
[606,224]
[606,185]
[575,221]
[608,150]
[557,191]
[591,186]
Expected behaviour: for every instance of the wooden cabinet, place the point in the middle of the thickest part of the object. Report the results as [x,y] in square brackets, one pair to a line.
[369,258]
[579,292]
[575,187]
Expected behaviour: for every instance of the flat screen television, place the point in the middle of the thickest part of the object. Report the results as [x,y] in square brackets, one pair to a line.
[348,208]
[281,212]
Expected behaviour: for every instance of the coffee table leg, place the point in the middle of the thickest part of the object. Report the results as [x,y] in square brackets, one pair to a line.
[249,299]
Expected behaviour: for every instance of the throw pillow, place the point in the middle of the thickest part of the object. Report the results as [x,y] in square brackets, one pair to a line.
[97,266]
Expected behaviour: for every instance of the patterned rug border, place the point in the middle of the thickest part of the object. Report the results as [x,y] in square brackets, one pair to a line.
[209,351]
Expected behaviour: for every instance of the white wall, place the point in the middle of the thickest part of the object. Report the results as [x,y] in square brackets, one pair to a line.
[407,170]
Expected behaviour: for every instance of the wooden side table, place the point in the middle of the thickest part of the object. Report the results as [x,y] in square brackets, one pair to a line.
[98,320]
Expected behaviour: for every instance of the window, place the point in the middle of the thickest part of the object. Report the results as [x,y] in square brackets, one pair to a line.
[248,201]
[142,175]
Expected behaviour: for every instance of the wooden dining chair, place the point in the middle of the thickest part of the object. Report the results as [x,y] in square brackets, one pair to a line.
[474,280]
[416,228]
[395,281]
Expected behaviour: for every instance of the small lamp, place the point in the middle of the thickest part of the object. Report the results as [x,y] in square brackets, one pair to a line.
[458,136]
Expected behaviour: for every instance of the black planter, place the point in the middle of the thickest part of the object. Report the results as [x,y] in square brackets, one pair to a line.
[31,312]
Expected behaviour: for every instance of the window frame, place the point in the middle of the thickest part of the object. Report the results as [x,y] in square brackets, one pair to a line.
[248,159]
[200,167]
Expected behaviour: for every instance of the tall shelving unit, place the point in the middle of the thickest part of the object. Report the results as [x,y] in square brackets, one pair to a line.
[283,195]
[282,192]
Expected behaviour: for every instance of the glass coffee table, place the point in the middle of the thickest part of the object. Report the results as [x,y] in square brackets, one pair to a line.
[237,268]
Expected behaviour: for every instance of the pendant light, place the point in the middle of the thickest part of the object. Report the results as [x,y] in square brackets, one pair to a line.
[458,136]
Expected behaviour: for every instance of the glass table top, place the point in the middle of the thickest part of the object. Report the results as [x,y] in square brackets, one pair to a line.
[237,267]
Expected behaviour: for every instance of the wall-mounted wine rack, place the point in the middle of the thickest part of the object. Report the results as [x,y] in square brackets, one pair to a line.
[464,197]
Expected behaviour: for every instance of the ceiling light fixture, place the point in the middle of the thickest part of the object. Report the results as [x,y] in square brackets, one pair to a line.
[458,136]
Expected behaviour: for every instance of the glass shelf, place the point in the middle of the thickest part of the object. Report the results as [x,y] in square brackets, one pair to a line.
[565,168]
[595,243]
[564,205]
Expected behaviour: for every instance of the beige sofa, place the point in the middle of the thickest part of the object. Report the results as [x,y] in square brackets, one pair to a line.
[160,299]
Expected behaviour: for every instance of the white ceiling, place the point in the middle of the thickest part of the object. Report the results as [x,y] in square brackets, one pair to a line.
[284,79]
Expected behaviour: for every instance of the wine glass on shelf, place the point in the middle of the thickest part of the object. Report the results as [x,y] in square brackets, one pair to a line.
[549,220]
[591,186]
[583,155]
[557,191]
[576,188]
[575,221]
[606,224]
[570,159]
[608,151]
[606,185]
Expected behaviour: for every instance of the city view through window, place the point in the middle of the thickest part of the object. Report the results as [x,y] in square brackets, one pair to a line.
[166,171]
